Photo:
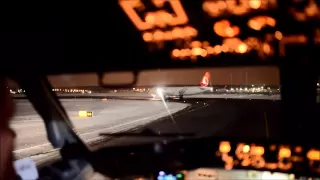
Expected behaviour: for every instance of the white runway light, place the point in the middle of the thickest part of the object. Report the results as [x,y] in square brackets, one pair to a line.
[159,91]
[89,128]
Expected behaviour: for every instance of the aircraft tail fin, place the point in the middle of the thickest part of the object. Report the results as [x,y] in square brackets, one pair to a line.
[205,80]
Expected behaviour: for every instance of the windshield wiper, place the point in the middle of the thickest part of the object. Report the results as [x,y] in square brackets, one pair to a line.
[148,133]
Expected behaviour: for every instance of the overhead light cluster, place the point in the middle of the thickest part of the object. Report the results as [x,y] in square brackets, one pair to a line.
[252,155]
[236,7]
[229,45]
[259,22]
[159,25]
[224,28]
[186,32]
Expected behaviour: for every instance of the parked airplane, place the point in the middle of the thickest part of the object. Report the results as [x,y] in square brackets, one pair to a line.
[179,92]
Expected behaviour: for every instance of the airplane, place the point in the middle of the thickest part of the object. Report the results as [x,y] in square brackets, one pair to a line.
[178,92]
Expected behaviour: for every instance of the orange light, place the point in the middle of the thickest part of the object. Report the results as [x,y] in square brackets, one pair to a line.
[271,165]
[232,43]
[224,147]
[129,7]
[175,33]
[278,35]
[168,36]
[311,10]
[242,48]
[237,7]
[205,44]
[210,50]
[159,18]
[298,149]
[284,152]
[229,45]
[254,24]
[196,51]
[255,4]
[245,162]
[185,52]
[158,35]
[176,52]
[204,53]
[180,17]
[258,22]
[223,28]
[147,36]
[246,148]
[178,33]
[195,44]
[313,155]
[257,150]
[224,48]
[190,31]
[258,161]
[217,49]
[266,48]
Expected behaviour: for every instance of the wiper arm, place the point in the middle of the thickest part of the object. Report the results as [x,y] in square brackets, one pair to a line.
[59,127]
[148,133]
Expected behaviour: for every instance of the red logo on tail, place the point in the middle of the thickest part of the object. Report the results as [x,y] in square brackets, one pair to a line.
[205,80]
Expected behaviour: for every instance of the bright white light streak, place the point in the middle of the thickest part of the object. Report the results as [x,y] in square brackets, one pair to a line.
[160,93]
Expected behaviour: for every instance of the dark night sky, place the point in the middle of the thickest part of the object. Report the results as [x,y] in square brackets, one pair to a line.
[256,75]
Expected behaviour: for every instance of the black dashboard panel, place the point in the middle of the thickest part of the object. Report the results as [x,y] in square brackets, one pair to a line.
[302,160]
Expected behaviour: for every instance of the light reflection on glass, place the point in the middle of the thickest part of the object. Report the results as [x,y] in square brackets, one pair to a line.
[151,20]
[240,7]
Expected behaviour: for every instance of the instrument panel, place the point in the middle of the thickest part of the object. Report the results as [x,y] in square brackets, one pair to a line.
[272,157]
[289,158]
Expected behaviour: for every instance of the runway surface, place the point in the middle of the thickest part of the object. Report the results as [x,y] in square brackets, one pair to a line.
[233,118]
[205,117]
[110,116]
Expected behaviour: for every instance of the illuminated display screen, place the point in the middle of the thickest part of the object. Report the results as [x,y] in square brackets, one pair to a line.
[164,176]
[271,157]
[190,30]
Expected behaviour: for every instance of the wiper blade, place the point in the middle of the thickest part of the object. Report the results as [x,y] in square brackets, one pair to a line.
[147,135]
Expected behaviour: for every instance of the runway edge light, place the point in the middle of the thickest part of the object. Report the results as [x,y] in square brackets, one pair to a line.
[89,113]
[85,113]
